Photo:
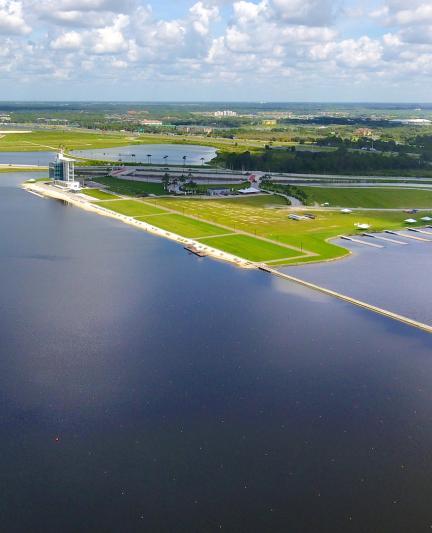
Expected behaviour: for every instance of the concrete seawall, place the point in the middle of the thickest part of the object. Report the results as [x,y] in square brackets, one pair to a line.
[71,198]
[74,199]
[345,298]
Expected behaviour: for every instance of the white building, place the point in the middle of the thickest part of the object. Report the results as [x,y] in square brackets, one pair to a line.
[225,113]
[62,172]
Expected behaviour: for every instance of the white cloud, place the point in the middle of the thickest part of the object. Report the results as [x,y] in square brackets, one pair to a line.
[12,18]
[217,41]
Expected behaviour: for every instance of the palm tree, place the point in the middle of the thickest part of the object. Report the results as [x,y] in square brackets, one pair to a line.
[202,161]
[184,160]
[166,181]
[149,156]
[165,158]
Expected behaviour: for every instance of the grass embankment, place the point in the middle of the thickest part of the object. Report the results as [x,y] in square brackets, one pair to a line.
[269,222]
[47,140]
[244,226]
[131,208]
[251,248]
[99,195]
[374,197]
[129,187]
[213,235]
[3,170]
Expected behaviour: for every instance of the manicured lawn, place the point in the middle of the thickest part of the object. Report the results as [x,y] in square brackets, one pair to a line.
[99,195]
[53,139]
[131,208]
[375,197]
[187,227]
[257,201]
[131,188]
[250,248]
[309,235]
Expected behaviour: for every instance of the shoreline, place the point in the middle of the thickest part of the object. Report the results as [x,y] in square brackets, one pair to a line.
[71,198]
[47,191]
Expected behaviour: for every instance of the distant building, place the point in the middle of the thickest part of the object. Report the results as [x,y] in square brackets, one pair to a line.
[194,129]
[363,132]
[269,122]
[62,172]
[4,119]
[151,123]
[225,113]
[53,121]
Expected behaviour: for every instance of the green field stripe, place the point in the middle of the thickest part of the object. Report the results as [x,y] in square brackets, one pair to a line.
[131,208]
[99,195]
[251,248]
[374,197]
[185,226]
[226,234]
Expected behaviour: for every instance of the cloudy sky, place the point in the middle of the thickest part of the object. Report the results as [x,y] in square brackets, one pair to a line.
[280,50]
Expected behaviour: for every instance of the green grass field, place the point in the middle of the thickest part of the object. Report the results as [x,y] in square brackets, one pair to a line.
[184,226]
[129,187]
[47,140]
[222,224]
[250,248]
[3,170]
[266,221]
[99,195]
[374,197]
[131,208]
[43,140]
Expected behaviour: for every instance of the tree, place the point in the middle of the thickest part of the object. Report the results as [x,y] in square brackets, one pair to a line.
[166,180]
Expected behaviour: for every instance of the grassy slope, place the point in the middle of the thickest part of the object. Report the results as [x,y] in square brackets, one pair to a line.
[372,197]
[310,235]
[129,187]
[99,195]
[250,248]
[187,227]
[43,140]
[131,208]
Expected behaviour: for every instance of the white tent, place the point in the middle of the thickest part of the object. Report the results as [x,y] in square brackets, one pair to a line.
[346,211]
[426,219]
[250,190]
[410,220]
[362,226]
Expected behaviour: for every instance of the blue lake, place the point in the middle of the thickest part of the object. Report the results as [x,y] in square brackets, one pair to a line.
[143,389]
[195,154]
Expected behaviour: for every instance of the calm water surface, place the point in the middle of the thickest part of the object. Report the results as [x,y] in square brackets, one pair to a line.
[395,277]
[27,158]
[139,153]
[142,389]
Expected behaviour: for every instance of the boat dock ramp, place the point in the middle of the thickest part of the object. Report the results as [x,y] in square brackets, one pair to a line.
[381,238]
[391,232]
[358,241]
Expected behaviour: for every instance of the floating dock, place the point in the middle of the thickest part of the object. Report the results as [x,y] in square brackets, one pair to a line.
[345,237]
[407,236]
[415,230]
[194,250]
[354,301]
[381,238]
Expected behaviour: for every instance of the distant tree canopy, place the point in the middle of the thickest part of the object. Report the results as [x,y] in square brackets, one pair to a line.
[338,161]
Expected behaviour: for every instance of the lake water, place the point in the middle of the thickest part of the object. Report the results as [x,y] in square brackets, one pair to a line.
[27,158]
[143,389]
[395,277]
[139,153]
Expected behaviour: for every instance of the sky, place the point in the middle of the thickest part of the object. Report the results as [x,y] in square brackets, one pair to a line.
[216,50]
